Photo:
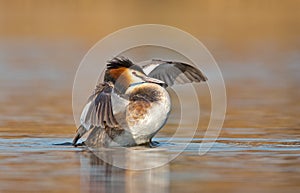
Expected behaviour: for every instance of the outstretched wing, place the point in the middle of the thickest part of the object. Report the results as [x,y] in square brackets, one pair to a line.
[97,112]
[173,72]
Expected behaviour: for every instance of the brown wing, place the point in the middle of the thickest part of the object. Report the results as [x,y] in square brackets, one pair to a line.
[98,111]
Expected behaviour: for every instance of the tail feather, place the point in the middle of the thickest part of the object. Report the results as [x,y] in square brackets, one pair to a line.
[80,132]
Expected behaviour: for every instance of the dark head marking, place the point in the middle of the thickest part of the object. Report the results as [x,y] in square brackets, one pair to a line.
[119,62]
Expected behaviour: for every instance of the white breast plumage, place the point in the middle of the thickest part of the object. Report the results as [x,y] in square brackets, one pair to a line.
[145,118]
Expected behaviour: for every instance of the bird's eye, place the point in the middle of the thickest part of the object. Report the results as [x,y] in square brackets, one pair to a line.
[137,74]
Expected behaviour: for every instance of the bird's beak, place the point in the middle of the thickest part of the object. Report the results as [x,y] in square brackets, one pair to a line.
[154,80]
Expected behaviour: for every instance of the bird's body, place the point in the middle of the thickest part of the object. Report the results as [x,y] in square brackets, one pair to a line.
[130,107]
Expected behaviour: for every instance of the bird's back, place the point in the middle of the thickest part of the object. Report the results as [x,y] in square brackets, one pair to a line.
[145,113]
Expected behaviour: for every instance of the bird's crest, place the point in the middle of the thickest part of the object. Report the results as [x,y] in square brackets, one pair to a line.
[119,62]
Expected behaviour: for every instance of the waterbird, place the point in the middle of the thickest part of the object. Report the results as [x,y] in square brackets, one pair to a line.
[132,104]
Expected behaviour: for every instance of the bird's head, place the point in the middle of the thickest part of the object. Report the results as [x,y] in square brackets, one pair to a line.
[123,74]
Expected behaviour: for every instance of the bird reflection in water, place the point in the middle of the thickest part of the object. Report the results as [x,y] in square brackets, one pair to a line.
[100,174]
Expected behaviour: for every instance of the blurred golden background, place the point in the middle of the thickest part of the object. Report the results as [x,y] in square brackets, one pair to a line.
[235,22]
[256,44]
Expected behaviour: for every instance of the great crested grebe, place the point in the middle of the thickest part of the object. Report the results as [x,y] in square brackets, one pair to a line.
[132,104]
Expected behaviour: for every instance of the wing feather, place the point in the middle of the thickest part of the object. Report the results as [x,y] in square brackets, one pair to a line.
[97,112]
[173,72]
[100,112]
